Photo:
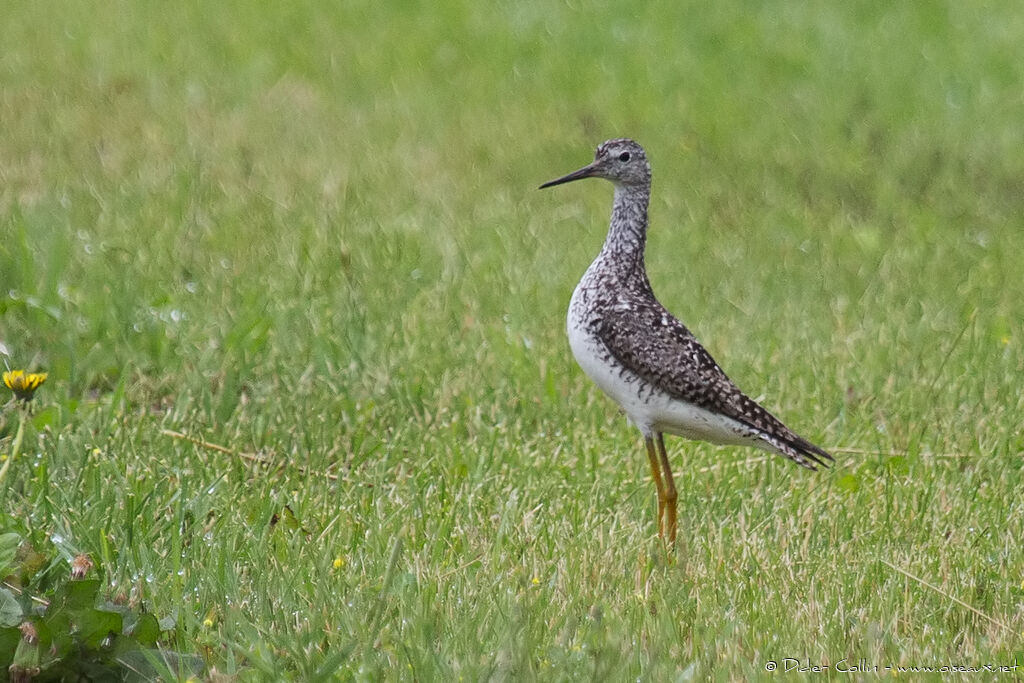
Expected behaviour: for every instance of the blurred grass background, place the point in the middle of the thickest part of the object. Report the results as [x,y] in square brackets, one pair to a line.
[311,232]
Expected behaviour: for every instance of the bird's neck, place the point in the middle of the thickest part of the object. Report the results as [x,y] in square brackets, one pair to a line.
[627,236]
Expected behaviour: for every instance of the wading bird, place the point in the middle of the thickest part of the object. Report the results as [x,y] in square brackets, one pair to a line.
[645,359]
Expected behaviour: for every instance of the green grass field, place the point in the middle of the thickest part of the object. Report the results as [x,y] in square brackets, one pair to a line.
[310,235]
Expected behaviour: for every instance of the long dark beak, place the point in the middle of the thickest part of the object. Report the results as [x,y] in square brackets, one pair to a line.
[585,172]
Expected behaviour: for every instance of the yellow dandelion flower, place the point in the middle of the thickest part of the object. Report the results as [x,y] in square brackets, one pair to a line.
[535,581]
[24,384]
[207,622]
[339,562]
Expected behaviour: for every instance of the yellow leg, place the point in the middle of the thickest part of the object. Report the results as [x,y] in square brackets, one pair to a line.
[656,474]
[669,488]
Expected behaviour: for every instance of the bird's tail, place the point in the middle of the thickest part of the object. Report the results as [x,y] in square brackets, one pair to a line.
[800,450]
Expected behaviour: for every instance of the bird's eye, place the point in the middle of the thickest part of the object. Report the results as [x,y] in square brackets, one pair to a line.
[624,156]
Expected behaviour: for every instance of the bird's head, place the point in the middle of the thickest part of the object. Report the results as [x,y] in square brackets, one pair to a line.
[621,161]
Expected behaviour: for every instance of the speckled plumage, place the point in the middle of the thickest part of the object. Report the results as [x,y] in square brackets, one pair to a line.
[641,355]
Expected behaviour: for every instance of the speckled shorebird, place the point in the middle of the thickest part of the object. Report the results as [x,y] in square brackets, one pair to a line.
[644,358]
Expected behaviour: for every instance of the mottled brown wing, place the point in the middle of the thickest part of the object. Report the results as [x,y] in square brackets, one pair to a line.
[650,342]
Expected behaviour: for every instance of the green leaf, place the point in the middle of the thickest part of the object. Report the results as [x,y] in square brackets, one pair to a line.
[78,595]
[290,520]
[10,610]
[58,621]
[146,630]
[8,549]
[95,625]
[9,638]
[898,465]
[848,483]
[30,562]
